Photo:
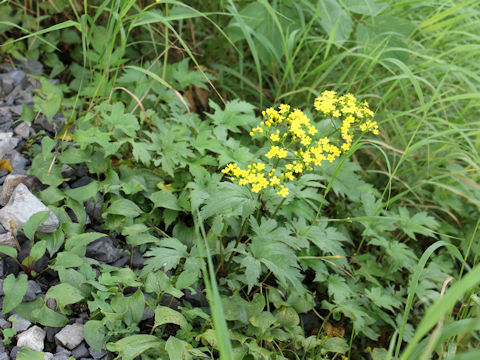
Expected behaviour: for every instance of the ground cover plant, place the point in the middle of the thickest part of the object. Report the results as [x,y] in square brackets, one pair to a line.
[300,178]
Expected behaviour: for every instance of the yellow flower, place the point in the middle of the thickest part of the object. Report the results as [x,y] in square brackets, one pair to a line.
[283,192]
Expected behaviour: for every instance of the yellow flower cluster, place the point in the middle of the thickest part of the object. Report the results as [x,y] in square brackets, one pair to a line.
[293,147]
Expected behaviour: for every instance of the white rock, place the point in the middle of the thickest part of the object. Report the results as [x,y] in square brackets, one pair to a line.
[21,206]
[7,239]
[22,130]
[70,336]
[48,356]
[7,143]
[19,324]
[32,338]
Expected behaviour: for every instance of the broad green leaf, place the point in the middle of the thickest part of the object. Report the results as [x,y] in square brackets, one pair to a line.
[382,298]
[177,349]
[336,22]
[130,306]
[26,353]
[15,289]
[287,317]
[166,315]
[48,317]
[83,193]
[165,199]
[34,222]
[262,320]
[8,250]
[82,240]
[365,7]
[134,229]
[335,345]
[64,294]
[132,346]
[140,239]
[48,100]
[38,250]
[124,207]
[27,308]
[67,259]
[95,334]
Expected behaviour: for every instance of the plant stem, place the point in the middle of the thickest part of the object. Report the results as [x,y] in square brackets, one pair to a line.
[278,207]
[242,230]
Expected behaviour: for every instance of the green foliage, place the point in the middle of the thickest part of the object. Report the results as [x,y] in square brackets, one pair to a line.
[159,97]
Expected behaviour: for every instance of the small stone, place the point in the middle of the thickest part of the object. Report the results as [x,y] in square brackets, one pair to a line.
[4,356]
[63,355]
[3,172]
[14,352]
[22,130]
[21,206]
[84,180]
[122,261]
[4,324]
[20,324]
[12,181]
[7,86]
[2,348]
[7,143]
[32,291]
[103,250]
[95,354]
[67,171]
[60,349]
[18,77]
[33,338]
[80,351]
[18,162]
[138,260]
[70,336]
[32,66]
[148,313]
[51,303]
[51,332]
[48,356]
[7,239]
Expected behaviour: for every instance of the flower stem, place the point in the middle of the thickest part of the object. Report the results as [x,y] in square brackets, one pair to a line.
[242,230]
[278,207]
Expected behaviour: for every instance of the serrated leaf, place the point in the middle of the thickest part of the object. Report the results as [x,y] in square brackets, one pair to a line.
[335,345]
[252,270]
[165,199]
[382,299]
[130,306]
[141,152]
[168,255]
[14,289]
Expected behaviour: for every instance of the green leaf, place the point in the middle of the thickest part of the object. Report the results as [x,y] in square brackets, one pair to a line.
[48,99]
[83,193]
[124,207]
[134,229]
[34,222]
[29,354]
[381,298]
[262,320]
[253,269]
[130,306]
[177,349]
[335,345]
[132,346]
[336,22]
[141,152]
[67,259]
[165,199]
[168,255]
[115,117]
[365,7]
[8,250]
[26,309]
[190,273]
[64,294]
[95,334]
[38,250]
[166,315]
[82,240]
[48,317]
[15,289]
